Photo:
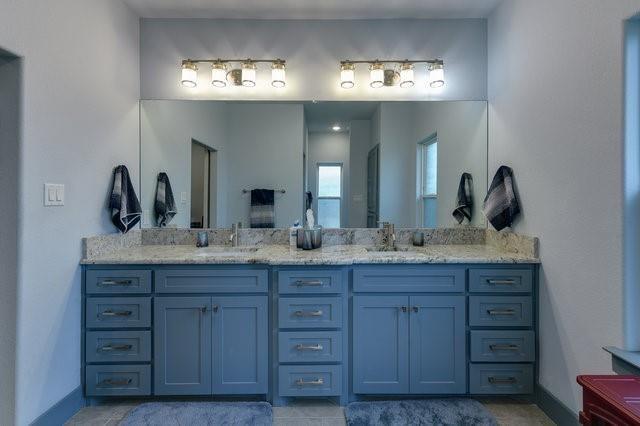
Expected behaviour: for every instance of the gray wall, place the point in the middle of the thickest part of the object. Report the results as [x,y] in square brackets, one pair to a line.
[359,145]
[167,130]
[10,107]
[312,50]
[265,150]
[330,147]
[462,147]
[80,92]
[555,116]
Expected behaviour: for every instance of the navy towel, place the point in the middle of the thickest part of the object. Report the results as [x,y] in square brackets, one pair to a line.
[262,213]
[501,204]
[123,203]
[165,205]
[464,203]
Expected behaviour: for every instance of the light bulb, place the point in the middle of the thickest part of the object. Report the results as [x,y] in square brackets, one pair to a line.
[189,74]
[219,74]
[248,74]
[376,75]
[278,74]
[336,128]
[436,75]
[406,75]
[347,75]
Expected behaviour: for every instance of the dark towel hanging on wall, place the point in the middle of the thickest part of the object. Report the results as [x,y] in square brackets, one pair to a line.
[123,202]
[308,197]
[501,204]
[262,214]
[464,203]
[165,205]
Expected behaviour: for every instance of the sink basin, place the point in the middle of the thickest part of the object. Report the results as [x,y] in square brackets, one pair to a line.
[381,249]
[225,251]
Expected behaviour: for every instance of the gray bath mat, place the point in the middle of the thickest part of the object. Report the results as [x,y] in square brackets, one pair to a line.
[200,414]
[453,411]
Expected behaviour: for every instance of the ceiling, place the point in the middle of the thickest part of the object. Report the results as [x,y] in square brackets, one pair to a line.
[321,116]
[313,9]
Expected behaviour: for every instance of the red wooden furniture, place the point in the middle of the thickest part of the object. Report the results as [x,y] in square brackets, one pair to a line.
[610,400]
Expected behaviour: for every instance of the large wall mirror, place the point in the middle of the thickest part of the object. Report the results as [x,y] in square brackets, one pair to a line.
[358,162]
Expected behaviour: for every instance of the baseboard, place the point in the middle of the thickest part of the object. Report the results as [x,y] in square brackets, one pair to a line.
[63,410]
[554,408]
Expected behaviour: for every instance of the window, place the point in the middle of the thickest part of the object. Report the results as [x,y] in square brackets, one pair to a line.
[329,195]
[428,190]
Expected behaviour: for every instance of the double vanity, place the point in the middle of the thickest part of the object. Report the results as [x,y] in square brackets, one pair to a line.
[345,321]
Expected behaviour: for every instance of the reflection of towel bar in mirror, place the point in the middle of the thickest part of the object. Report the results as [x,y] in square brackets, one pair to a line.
[282,191]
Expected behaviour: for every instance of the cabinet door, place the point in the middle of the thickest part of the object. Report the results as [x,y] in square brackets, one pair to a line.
[240,348]
[182,327]
[437,344]
[380,344]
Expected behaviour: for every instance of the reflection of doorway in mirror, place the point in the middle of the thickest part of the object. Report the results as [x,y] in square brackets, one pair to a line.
[427,182]
[373,187]
[203,185]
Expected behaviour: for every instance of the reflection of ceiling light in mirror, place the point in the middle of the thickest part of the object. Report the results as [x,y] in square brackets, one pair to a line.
[336,128]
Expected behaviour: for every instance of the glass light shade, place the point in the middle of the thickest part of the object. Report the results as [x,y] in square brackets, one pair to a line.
[436,75]
[347,76]
[278,75]
[406,75]
[376,75]
[219,74]
[189,75]
[248,74]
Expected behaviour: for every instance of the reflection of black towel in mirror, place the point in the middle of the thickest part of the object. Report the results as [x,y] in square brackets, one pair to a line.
[165,205]
[464,202]
[501,204]
[123,202]
[308,200]
[262,213]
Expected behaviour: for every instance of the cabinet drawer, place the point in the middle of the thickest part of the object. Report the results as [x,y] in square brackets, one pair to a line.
[124,312]
[118,346]
[310,346]
[310,380]
[500,311]
[241,280]
[500,280]
[310,312]
[431,279]
[501,379]
[503,346]
[310,281]
[114,281]
[102,380]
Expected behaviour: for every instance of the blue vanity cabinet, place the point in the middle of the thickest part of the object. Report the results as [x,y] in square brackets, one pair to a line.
[183,337]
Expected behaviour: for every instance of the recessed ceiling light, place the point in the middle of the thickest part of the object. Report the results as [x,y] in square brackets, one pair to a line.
[336,128]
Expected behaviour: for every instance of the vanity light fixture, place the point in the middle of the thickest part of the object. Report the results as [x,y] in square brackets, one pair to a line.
[381,76]
[224,74]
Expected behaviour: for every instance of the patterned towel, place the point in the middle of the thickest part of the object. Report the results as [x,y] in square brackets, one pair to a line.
[501,204]
[165,205]
[123,203]
[262,214]
[464,205]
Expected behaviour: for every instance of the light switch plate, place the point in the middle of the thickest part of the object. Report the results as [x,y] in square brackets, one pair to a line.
[53,194]
[183,197]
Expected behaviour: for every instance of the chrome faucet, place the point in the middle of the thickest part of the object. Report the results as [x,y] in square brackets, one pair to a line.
[388,236]
[233,238]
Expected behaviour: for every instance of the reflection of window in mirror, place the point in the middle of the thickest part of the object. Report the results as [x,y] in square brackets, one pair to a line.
[428,182]
[329,194]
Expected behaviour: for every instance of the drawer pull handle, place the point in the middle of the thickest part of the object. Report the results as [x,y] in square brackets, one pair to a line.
[108,283]
[494,312]
[317,313]
[311,283]
[502,380]
[402,308]
[501,282]
[504,347]
[317,347]
[111,313]
[316,382]
[118,348]
[115,382]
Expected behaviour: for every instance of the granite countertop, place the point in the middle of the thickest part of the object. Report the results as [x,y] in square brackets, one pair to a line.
[278,254]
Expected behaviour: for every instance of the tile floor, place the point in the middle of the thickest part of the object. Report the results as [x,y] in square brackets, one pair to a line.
[320,413]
